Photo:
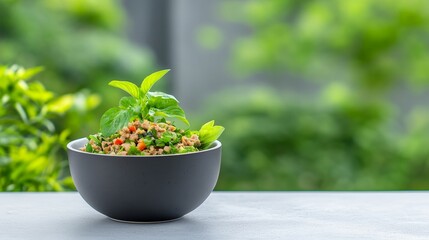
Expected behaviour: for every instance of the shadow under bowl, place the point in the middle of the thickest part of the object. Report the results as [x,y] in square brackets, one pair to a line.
[144,188]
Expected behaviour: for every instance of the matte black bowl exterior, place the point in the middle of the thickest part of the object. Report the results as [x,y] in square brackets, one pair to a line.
[144,188]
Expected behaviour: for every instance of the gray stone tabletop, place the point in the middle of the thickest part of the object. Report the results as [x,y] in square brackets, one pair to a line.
[228,215]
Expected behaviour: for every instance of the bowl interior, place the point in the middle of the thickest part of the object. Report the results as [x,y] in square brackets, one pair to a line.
[79,143]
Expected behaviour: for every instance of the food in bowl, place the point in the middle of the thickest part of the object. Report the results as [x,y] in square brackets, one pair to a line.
[142,124]
[135,188]
[142,166]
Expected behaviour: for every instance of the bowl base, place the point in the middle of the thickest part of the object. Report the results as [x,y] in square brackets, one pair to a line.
[145,222]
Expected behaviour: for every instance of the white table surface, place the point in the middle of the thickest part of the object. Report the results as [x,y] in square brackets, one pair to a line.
[228,215]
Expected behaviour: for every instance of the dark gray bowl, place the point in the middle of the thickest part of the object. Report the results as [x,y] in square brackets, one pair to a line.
[144,188]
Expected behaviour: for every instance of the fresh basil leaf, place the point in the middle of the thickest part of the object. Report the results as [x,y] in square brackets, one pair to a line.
[150,80]
[113,120]
[161,120]
[207,125]
[170,112]
[161,100]
[132,105]
[161,95]
[128,87]
[127,102]
[209,133]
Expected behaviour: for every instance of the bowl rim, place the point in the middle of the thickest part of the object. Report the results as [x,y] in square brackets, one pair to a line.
[215,145]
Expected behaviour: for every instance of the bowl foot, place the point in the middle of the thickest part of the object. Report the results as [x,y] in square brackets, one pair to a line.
[145,222]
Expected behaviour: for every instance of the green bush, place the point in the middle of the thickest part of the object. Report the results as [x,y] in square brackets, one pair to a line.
[31,152]
[415,149]
[278,143]
[348,135]
[370,43]
[81,42]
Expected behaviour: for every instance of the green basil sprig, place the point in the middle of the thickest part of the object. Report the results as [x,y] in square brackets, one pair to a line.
[142,104]
[209,133]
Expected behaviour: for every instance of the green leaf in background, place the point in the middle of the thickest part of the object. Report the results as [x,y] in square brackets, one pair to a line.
[21,112]
[209,133]
[28,73]
[128,87]
[60,105]
[7,139]
[169,112]
[30,147]
[37,92]
[150,80]
[113,120]
[48,125]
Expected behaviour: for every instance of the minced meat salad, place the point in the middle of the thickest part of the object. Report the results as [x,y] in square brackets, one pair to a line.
[145,138]
[138,126]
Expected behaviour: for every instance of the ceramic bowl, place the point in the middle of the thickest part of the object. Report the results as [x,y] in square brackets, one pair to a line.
[144,188]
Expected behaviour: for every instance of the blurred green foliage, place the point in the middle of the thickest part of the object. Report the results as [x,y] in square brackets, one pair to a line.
[81,42]
[371,43]
[30,148]
[274,142]
[348,135]
[277,143]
